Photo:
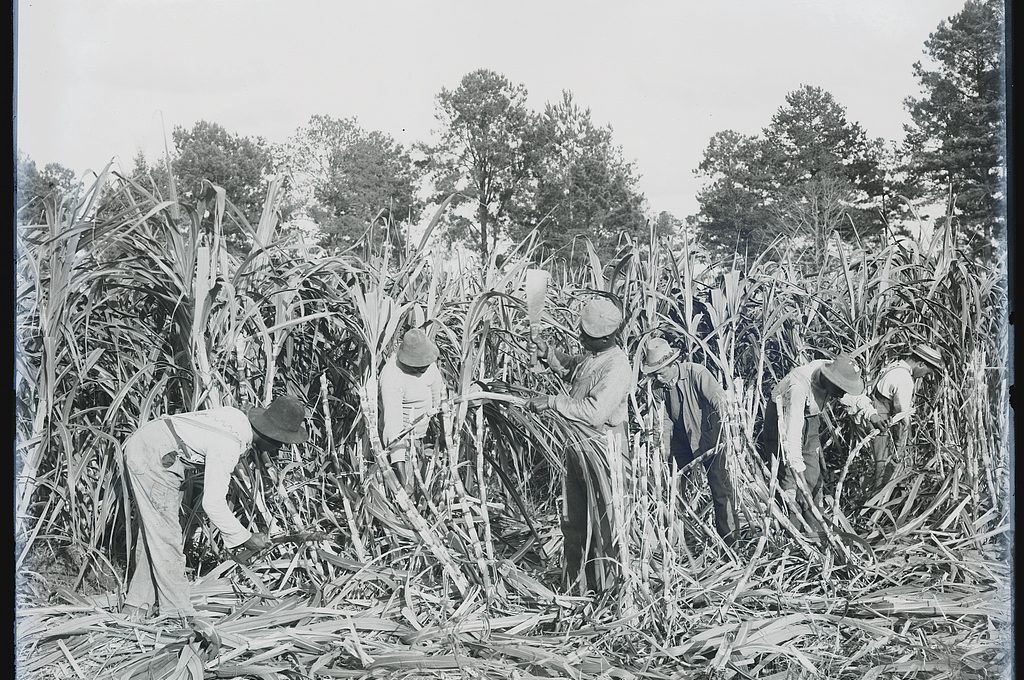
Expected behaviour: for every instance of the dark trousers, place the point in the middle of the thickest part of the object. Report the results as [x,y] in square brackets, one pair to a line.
[880,444]
[718,481]
[598,566]
[813,456]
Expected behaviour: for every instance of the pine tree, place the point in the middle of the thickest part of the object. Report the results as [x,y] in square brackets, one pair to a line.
[956,143]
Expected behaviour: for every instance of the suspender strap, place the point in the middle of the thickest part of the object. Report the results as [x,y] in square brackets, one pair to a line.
[183,450]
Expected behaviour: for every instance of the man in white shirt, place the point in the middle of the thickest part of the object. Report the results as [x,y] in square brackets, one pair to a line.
[412,390]
[156,456]
[893,399]
[792,427]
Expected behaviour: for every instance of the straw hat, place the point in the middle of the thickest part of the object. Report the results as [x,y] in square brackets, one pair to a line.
[844,374]
[657,356]
[417,350]
[929,355]
[281,421]
[600,317]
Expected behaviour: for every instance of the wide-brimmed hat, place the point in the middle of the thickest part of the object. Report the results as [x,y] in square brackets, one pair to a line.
[282,420]
[417,350]
[929,355]
[844,374]
[657,356]
[600,317]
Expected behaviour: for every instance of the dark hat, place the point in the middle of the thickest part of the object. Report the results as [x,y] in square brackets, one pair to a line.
[929,355]
[657,356]
[282,420]
[600,317]
[844,374]
[417,350]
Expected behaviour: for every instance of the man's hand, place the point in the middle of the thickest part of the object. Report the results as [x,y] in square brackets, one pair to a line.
[879,422]
[257,542]
[537,404]
[541,345]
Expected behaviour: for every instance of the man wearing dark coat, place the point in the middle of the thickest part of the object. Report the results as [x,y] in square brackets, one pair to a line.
[694,404]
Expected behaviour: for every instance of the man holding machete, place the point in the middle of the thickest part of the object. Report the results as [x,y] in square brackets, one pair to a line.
[601,380]
[156,457]
[695,407]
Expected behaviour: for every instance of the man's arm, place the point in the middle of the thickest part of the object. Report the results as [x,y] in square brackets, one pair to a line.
[791,412]
[595,408]
[220,461]
[561,362]
[707,385]
[902,399]
[392,414]
[662,420]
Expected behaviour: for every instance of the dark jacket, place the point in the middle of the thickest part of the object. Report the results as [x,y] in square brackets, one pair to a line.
[694,406]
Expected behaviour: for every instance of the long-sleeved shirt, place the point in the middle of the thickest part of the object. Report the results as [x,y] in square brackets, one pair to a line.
[216,438]
[404,398]
[600,385]
[798,397]
[896,384]
[695,405]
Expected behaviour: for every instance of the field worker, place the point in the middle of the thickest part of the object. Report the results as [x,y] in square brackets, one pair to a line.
[157,455]
[412,390]
[694,404]
[893,398]
[601,380]
[792,425]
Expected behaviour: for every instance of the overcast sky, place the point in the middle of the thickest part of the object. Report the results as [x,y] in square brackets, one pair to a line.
[95,77]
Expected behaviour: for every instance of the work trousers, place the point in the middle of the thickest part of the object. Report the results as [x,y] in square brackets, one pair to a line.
[814,462]
[880,444]
[156,473]
[599,568]
[721,491]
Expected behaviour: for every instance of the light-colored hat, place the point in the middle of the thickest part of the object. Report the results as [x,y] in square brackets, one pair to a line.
[417,350]
[844,374]
[657,356]
[929,355]
[600,317]
[282,420]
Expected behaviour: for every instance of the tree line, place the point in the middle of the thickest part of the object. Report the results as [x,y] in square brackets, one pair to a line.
[811,171]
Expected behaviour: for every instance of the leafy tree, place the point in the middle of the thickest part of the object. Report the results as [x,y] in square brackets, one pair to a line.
[956,140]
[152,178]
[354,178]
[734,215]
[34,187]
[241,165]
[584,186]
[487,155]
[810,171]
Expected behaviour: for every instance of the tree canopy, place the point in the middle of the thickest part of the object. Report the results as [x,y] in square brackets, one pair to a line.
[354,178]
[809,172]
[35,186]
[241,165]
[956,141]
[487,155]
[584,186]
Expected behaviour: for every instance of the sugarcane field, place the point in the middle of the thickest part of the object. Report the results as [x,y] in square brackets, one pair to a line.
[391,413]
